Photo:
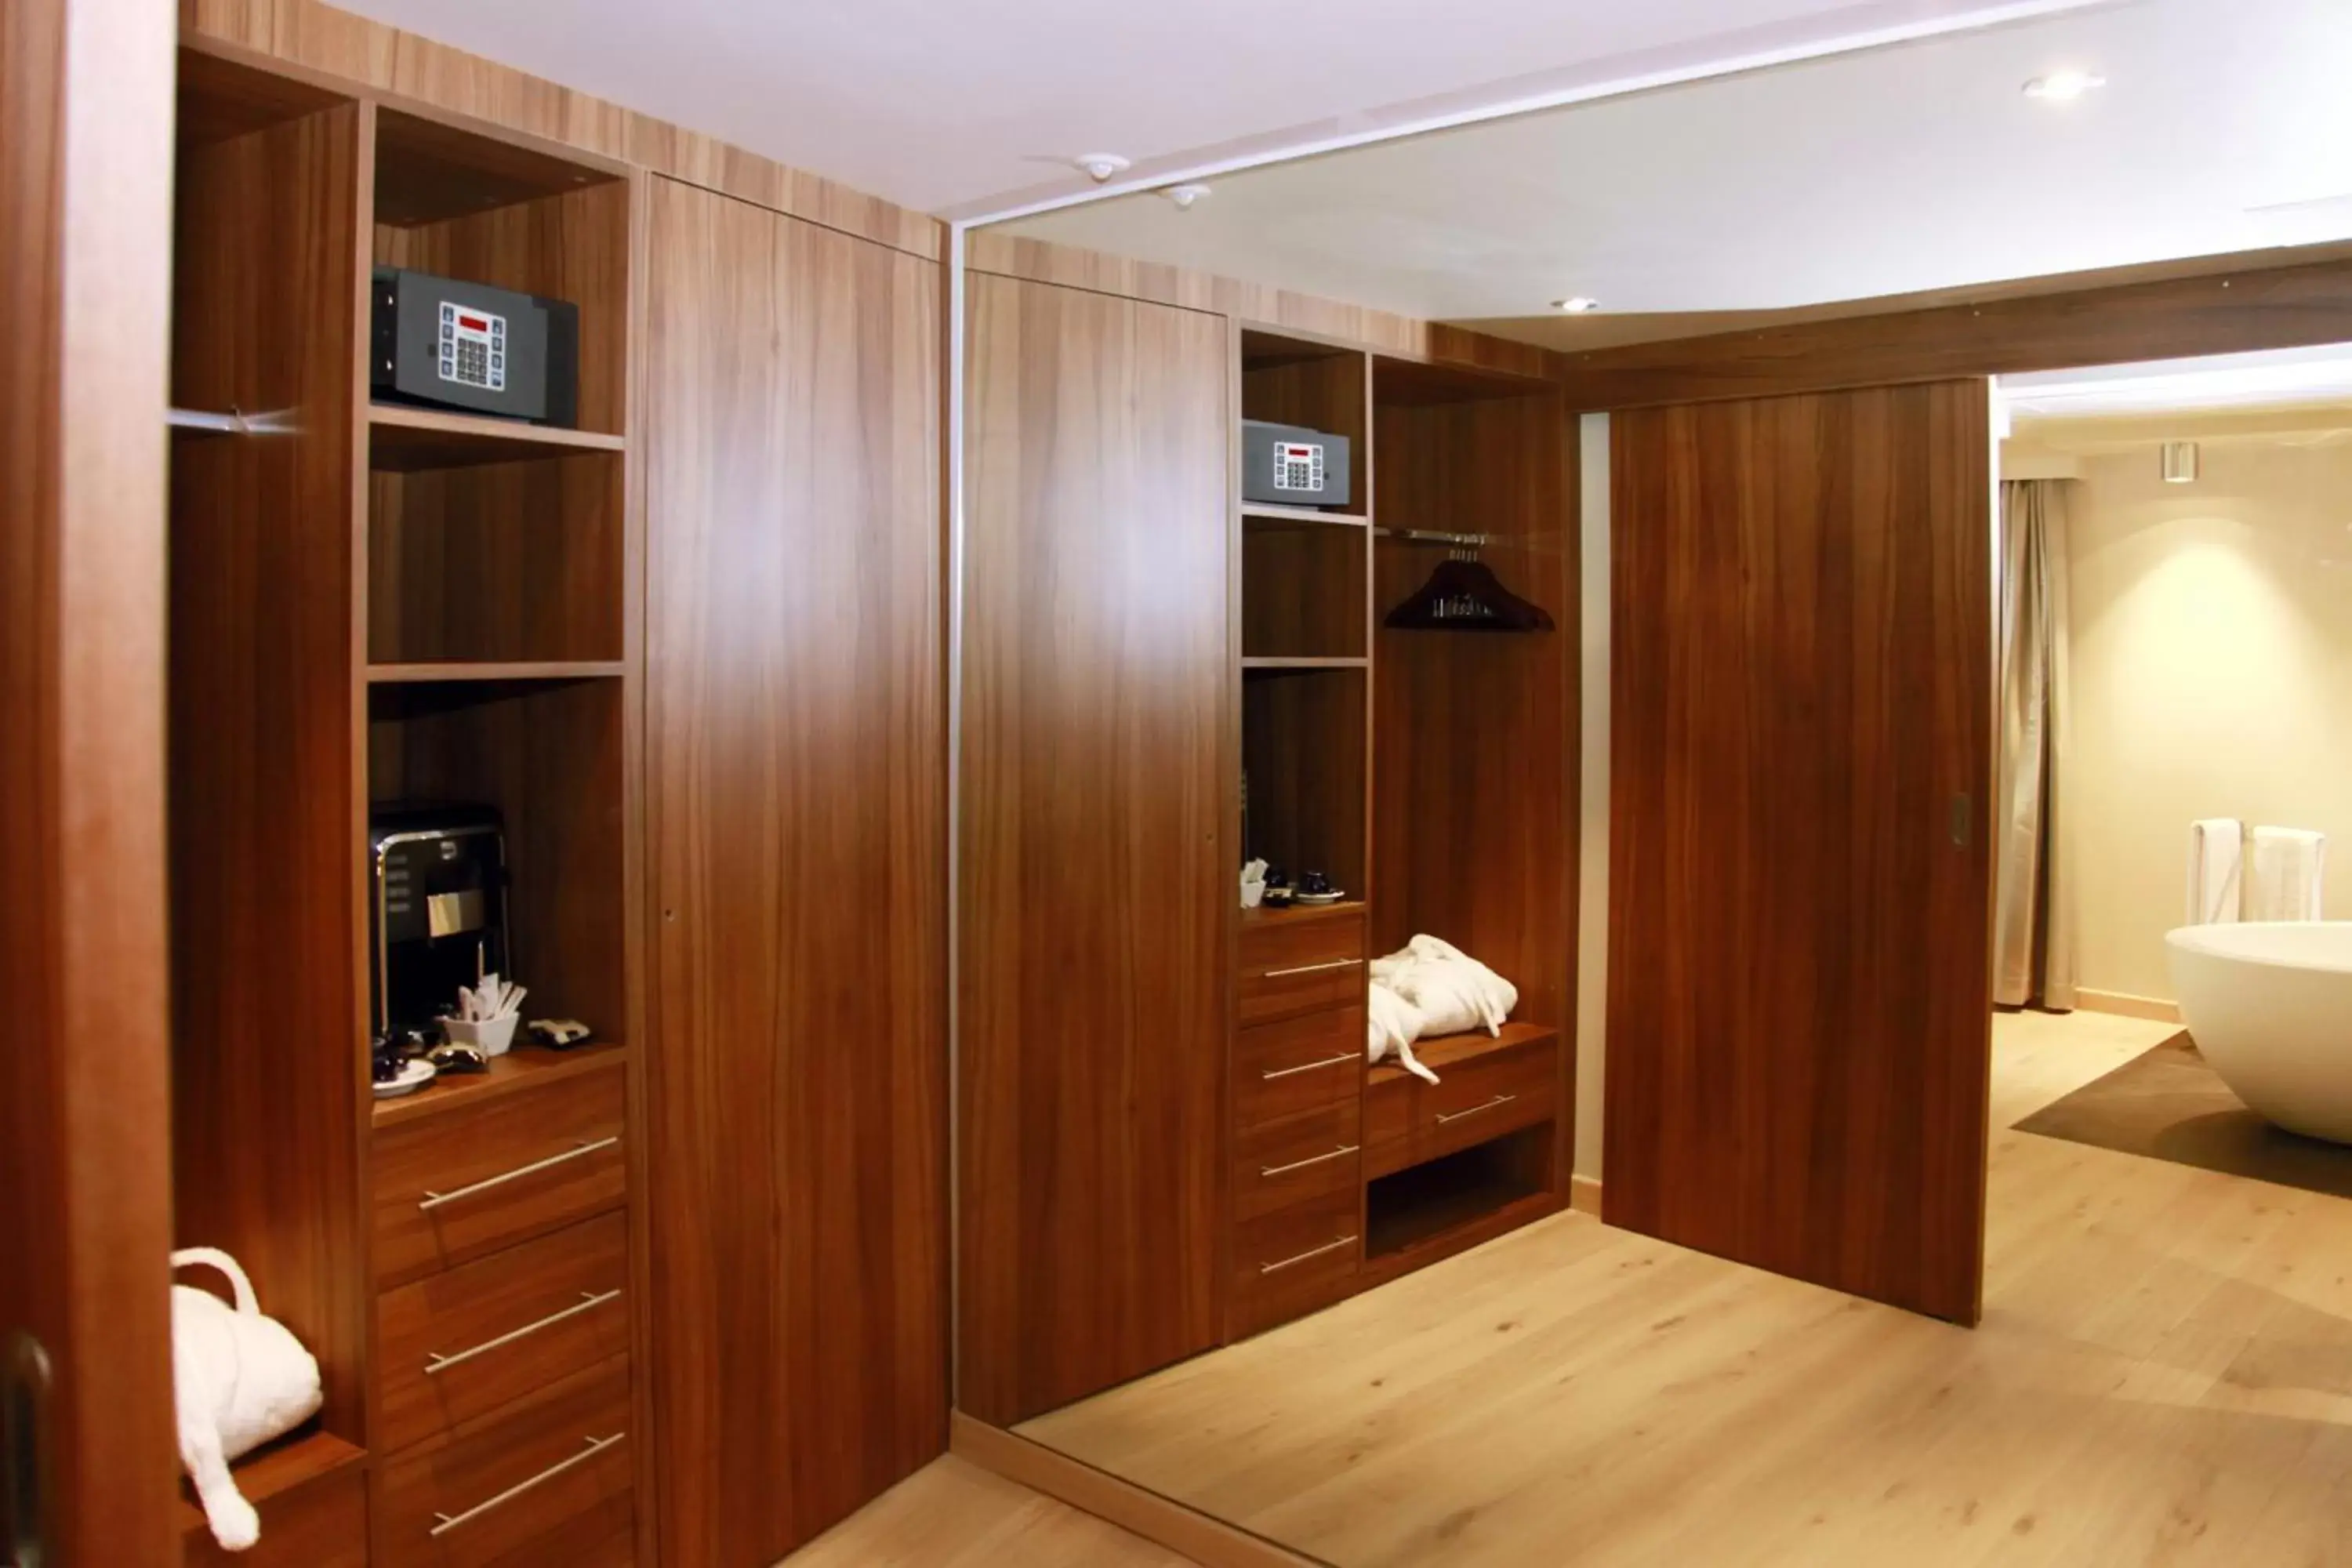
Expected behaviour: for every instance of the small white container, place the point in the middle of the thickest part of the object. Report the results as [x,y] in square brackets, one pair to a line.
[491,1037]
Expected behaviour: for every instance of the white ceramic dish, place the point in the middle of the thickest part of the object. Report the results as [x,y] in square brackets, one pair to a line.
[413,1077]
[491,1036]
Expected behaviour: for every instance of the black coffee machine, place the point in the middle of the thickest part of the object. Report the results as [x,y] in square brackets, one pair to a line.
[436,907]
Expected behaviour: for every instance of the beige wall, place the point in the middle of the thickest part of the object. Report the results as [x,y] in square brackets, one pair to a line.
[2212,675]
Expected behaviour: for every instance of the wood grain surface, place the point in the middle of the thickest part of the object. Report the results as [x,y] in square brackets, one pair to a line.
[430,78]
[268,924]
[1097,862]
[1801,756]
[85,1181]
[796,755]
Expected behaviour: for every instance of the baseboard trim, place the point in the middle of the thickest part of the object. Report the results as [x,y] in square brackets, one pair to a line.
[1585,1195]
[1183,1529]
[2123,1004]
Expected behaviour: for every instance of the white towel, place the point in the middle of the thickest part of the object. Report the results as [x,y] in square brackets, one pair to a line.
[2217,853]
[1455,992]
[1392,1023]
[2288,866]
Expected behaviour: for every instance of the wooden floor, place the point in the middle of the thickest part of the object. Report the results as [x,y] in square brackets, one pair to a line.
[950,1514]
[2164,1376]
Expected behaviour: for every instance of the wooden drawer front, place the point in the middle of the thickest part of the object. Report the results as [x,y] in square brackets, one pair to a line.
[455,1187]
[1300,938]
[321,1524]
[1407,1122]
[1304,1159]
[1306,1063]
[546,1485]
[460,1344]
[1293,1261]
[1298,966]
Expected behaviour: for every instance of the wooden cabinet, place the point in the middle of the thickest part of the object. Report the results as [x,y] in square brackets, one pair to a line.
[1098,842]
[797,841]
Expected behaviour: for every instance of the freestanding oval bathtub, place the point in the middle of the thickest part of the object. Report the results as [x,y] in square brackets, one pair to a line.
[2269,1005]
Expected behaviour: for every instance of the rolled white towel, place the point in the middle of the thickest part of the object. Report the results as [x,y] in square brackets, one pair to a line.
[2216,863]
[2286,872]
[1392,1023]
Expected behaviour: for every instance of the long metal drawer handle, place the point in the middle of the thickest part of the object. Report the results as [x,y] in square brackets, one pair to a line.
[1341,1060]
[1314,968]
[434,1200]
[1302,1164]
[450,1522]
[588,1300]
[1265,1268]
[1443,1117]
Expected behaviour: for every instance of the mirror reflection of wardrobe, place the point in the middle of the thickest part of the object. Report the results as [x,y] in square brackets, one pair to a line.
[1170,1136]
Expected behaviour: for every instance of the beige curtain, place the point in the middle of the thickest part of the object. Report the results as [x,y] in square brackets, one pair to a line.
[2033,915]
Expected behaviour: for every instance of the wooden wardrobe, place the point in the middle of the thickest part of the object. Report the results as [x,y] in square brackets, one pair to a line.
[677,1295]
[1169,1138]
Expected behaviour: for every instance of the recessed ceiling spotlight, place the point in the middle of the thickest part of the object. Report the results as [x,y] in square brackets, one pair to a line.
[2063,86]
[1577,304]
[1100,166]
[1185,195]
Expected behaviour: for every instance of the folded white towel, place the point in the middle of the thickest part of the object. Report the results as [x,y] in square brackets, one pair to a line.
[2288,866]
[1455,991]
[1392,1023]
[2216,861]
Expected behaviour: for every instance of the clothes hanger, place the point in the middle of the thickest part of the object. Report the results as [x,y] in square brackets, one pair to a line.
[1462,595]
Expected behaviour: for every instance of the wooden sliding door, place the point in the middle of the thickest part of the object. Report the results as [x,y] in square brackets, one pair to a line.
[796,760]
[1798,990]
[1098,856]
[86,1471]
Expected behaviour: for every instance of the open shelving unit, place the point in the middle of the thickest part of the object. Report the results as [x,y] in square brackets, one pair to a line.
[371,602]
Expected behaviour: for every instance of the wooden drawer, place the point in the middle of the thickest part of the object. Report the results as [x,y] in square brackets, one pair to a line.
[458,1186]
[548,1484]
[1502,1085]
[1302,963]
[460,1344]
[1302,1160]
[1306,1063]
[1291,1262]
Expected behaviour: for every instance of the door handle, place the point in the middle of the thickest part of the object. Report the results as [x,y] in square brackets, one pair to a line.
[1963,820]
[24,1381]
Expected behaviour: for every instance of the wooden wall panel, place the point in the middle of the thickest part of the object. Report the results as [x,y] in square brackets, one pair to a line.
[85,1193]
[1798,999]
[795,762]
[2235,304]
[421,73]
[265,817]
[1097,855]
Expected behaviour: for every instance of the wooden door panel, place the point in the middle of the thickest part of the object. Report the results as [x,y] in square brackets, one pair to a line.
[796,780]
[1798,998]
[1095,846]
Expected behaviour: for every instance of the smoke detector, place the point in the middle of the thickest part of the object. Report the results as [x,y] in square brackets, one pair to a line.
[1100,166]
[1185,195]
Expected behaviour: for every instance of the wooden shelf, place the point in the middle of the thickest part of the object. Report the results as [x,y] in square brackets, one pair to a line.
[403,439]
[1403,1241]
[523,669]
[1439,1052]
[276,1468]
[1267,512]
[1255,663]
[525,1067]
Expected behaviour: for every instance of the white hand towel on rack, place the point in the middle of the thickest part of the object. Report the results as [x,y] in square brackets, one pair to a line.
[2217,854]
[2288,868]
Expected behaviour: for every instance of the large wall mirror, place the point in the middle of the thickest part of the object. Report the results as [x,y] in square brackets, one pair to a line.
[1482,691]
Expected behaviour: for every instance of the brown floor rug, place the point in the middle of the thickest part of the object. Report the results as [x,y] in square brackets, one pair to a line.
[2168,1105]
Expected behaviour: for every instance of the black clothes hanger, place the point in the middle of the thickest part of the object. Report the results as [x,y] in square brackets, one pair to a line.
[1464,595]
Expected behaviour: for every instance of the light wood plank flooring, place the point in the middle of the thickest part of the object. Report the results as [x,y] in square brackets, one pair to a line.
[2164,1376]
[950,1514]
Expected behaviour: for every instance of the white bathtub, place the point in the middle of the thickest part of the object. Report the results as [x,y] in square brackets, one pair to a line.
[2271,1007]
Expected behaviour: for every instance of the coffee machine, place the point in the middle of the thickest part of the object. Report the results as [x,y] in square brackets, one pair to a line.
[436,907]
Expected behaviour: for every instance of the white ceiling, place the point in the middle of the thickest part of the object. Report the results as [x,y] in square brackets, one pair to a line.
[2225,125]
[971,108]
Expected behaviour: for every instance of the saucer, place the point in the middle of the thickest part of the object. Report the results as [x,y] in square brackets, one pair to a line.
[413,1077]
